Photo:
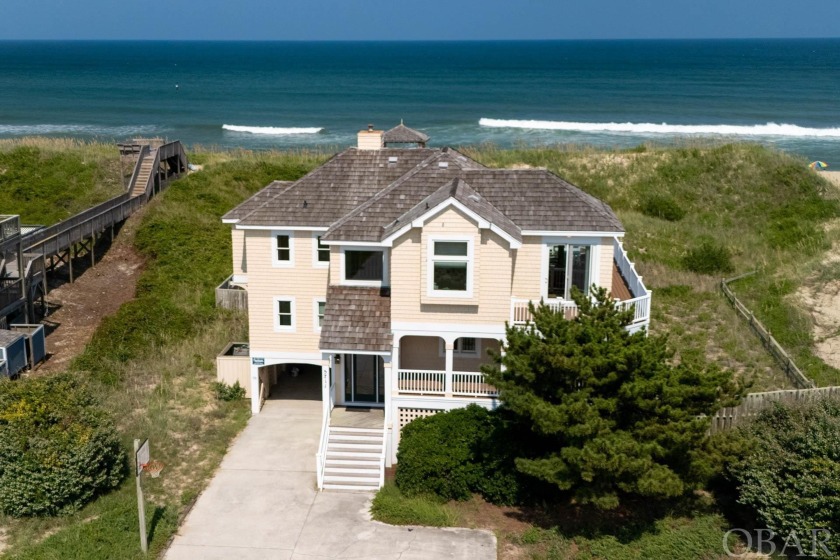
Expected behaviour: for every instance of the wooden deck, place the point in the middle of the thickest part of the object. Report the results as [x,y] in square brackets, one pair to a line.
[358,417]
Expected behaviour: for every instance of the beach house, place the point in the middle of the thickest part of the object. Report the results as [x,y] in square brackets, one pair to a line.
[379,281]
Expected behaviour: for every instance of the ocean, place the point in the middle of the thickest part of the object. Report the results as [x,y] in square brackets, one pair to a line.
[259,95]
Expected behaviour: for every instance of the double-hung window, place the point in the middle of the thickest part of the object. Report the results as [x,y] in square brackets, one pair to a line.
[283,249]
[319,306]
[450,267]
[322,253]
[284,313]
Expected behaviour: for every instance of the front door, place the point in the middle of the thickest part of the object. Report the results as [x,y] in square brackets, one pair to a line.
[364,379]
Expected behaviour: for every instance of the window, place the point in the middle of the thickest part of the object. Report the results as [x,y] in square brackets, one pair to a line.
[450,268]
[365,266]
[284,313]
[568,265]
[463,347]
[322,253]
[283,249]
[318,308]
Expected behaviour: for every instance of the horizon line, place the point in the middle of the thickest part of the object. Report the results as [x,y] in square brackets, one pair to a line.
[531,40]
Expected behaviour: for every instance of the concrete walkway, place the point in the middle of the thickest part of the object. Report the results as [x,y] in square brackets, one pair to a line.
[263,504]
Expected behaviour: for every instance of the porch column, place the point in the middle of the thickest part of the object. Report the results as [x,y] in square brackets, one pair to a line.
[394,387]
[255,389]
[450,356]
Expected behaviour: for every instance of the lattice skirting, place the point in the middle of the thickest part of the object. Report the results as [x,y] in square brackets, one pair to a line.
[406,415]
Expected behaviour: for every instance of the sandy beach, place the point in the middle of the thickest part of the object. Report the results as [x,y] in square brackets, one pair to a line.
[833,176]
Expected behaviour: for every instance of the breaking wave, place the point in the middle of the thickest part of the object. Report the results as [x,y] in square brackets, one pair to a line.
[273,130]
[769,129]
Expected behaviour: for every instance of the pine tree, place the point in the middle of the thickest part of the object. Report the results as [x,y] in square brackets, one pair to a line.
[608,414]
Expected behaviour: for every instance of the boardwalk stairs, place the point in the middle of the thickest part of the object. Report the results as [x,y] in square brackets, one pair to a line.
[146,167]
[354,459]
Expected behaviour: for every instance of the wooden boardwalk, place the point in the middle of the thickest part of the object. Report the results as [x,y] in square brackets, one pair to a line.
[40,251]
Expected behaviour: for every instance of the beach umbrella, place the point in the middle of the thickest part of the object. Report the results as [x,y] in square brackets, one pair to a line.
[818,165]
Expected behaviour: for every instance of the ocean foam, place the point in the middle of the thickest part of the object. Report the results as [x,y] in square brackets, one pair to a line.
[769,129]
[273,130]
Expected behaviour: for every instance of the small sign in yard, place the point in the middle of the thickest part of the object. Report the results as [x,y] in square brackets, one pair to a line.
[258,361]
[142,456]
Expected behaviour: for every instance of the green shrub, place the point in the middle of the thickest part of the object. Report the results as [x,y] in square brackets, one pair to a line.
[226,392]
[391,506]
[454,454]
[58,449]
[663,207]
[790,475]
[708,258]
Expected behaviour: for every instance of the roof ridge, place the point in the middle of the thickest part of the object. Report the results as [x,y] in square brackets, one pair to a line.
[382,193]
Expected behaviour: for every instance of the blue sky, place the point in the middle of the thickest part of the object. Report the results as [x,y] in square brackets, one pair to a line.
[416,20]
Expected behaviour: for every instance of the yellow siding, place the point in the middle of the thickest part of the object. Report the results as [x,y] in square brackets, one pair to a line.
[230,369]
[527,269]
[424,352]
[238,242]
[491,270]
[302,281]
[606,263]
[370,140]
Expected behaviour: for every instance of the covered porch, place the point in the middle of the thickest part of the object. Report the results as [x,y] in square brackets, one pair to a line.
[444,366]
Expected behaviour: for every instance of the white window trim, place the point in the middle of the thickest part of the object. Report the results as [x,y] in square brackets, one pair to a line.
[386,267]
[430,267]
[457,353]
[278,263]
[315,327]
[276,314]
[315,262]
[593,243]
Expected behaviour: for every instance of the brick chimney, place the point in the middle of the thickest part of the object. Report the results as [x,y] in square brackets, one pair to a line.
[370,139]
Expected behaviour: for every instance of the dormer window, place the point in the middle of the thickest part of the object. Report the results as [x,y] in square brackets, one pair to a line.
[450,267]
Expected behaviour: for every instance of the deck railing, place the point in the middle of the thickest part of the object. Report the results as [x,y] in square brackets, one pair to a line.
[628,270]
[421,381]
[9,227]
[471,384]
[435,383]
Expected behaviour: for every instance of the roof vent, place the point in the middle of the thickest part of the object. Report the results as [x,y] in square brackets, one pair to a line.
[393,159]
[370,128]
[443,164]
[475,198]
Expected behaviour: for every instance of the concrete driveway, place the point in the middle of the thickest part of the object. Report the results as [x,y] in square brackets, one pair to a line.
[263,504]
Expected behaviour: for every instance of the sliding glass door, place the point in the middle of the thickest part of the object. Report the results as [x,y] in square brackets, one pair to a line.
[568,265]
[364,379]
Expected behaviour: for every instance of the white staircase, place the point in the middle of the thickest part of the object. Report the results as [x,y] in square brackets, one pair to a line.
[355,459]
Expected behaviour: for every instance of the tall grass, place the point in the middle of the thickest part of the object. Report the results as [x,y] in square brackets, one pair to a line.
[153,362]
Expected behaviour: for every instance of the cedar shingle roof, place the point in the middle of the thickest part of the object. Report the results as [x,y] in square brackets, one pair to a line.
[356,319]
[257,200]
[363,195]
[331,191]
[401,134]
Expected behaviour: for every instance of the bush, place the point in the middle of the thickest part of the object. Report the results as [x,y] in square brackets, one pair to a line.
[228,392]
[390,506]
[456,453]
[663,207]
[790,475]
[58,449]
[708,258]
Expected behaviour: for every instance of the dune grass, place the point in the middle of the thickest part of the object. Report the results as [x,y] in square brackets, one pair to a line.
[47,180]
[766,209]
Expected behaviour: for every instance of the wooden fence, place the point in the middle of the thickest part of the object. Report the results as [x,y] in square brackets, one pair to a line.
[799,379]
[231,298]
[753,403]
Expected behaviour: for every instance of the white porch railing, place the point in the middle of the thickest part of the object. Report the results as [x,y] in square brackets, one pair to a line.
[421,381]
[628,271]
[435,382]
[321,456]
[471,384]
